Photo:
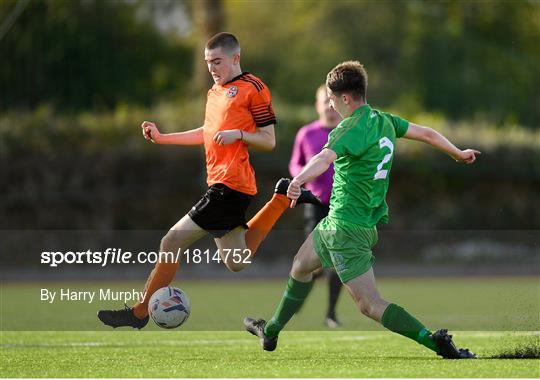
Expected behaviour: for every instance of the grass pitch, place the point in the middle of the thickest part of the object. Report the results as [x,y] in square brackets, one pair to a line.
[506,309]
[238,354]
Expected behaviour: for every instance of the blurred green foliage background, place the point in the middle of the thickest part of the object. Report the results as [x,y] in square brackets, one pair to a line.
[464,59]
[77,78]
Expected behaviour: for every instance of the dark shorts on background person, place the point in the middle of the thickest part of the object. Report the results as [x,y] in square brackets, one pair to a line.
[313,214]
[220,210]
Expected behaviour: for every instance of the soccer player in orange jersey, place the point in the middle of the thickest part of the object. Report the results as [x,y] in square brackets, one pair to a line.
[238,115]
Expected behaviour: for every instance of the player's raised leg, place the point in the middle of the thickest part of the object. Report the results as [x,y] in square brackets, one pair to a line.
[365,294]
[239,246]
[264,220]
[184,233]
[297,289]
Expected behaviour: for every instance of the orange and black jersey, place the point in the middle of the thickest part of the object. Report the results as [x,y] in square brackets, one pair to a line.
[242,103]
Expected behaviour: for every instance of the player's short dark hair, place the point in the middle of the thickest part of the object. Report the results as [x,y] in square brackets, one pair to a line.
[226,41]
[348,77]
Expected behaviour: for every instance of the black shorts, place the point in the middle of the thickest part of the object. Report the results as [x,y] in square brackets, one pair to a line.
[313,214]
[220,210]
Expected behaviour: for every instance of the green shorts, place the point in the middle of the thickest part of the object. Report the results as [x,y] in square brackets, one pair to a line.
[344,246]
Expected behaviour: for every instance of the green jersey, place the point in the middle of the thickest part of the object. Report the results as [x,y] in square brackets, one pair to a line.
[364,143]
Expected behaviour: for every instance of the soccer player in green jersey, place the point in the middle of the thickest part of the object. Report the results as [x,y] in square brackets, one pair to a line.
[361,148]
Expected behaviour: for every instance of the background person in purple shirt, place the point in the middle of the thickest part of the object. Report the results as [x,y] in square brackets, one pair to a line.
[309,141]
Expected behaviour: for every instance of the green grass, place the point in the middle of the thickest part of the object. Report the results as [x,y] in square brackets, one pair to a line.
[491,316]
[237,354]
[470,304]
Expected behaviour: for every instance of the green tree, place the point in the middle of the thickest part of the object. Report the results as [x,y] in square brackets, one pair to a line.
[80,54]
[476,59]
[463,59]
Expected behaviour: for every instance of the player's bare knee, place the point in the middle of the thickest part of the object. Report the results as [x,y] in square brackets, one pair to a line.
[366,308]
[172,241]
[298,266]
[301,274]
[369,304]
[297,272]
[166,243]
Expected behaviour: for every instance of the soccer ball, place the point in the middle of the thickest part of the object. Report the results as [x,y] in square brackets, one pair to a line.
[169,307]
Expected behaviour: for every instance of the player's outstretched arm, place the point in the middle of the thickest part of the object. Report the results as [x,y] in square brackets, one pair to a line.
[314,168]
[435,139]
[263,139]
[192,137]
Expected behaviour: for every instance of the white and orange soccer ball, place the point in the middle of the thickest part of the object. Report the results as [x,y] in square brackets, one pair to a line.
[169,307]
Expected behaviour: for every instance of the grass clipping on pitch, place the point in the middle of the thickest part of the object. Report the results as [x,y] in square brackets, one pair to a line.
[527,350]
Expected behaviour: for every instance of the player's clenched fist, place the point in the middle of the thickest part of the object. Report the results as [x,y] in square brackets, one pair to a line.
[150,131]
[227,137]
[293,192]
[468,156]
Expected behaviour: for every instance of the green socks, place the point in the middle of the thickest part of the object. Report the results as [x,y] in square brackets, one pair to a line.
[396,319]
[293,298]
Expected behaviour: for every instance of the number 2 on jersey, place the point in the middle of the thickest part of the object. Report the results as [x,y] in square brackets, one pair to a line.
[384,143]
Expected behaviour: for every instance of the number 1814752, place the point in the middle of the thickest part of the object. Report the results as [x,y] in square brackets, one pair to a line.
[236,255]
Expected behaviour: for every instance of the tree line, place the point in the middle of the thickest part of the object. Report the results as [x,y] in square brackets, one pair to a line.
[465,60]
